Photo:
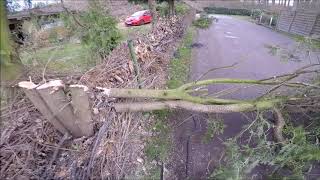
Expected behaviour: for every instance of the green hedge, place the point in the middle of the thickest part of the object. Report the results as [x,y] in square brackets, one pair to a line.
[222,10]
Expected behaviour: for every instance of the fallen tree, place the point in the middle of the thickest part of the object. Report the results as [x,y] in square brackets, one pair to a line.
[52,101]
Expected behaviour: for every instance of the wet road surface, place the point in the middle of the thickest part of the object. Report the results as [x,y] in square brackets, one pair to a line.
[229,41]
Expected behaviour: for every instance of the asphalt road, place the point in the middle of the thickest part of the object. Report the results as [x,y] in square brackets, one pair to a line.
[228,41]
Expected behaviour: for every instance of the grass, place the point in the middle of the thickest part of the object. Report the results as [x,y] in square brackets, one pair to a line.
[203,22]
[131,31]
[61,58]
[159,146]
[179,66]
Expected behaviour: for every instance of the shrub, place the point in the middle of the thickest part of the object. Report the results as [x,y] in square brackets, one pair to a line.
[229,11]
[203,22]
[53,36]
[256,13]
[101,34]
[181,8]
[163,8]
[96,28]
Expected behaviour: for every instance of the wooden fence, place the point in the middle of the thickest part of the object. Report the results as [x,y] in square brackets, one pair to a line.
[300,22]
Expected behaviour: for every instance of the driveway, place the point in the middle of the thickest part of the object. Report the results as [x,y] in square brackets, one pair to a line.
[228,41]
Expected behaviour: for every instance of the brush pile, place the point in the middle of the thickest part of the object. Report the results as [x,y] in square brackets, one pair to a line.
[153,53]
[32,149]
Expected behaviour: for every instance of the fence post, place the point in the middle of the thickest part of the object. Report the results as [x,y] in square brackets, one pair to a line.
[294,16]
[314,24]
[270,23]
[135,62]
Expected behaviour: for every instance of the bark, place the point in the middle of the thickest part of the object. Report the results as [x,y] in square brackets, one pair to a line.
[135,62]
[171,8]
[151,106]
[11,66]
[279,124]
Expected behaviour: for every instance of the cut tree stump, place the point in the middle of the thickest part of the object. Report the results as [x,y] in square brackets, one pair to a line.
[29,89]
[54,96]
[81,107]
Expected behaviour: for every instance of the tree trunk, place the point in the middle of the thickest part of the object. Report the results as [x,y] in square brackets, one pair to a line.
[273,2]
[171,7]
[152,8]
[285,3]
[11,66]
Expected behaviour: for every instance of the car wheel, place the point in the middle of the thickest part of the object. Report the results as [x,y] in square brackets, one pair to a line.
[142,22]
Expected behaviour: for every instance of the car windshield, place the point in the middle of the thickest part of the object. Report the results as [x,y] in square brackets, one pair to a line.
[137,14]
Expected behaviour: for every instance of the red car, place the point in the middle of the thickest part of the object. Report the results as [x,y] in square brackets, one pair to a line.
[139,18]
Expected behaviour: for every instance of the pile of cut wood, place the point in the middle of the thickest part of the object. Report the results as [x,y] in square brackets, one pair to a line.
[152,54]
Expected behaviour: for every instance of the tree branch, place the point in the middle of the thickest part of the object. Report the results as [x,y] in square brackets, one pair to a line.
[279,124]
[151,106]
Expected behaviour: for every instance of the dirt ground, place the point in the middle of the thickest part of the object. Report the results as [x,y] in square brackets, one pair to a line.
[228,41]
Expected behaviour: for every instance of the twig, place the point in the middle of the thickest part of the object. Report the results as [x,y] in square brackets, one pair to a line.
[217,68]
[48,173]
[282,83]
[101,133]
[45,67]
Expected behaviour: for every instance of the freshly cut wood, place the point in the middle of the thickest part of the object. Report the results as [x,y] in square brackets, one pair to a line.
[29,89]
[81,107]
[54,96]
